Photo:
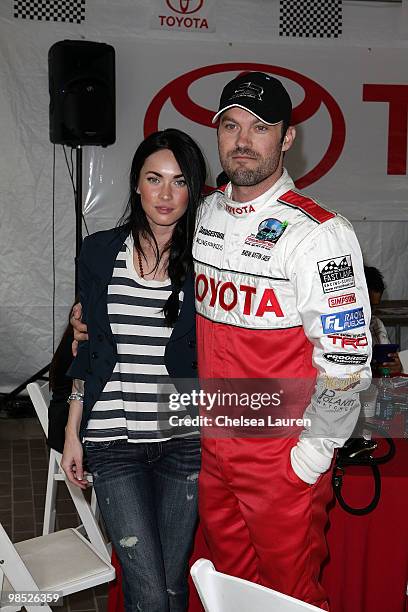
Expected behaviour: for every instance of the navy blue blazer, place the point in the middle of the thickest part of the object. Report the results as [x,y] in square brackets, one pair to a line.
[97,356]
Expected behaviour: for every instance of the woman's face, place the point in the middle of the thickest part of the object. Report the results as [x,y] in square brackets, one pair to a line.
[162,189]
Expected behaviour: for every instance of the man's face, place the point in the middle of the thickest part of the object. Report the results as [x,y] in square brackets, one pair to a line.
[250,150]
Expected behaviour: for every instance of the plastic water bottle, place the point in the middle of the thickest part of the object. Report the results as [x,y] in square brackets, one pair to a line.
[384,408]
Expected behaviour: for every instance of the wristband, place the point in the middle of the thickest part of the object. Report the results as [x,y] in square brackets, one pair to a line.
[76,396]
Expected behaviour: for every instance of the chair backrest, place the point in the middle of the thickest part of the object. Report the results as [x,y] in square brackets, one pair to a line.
[40,397]
[222,593]
[88,513]
[403,355]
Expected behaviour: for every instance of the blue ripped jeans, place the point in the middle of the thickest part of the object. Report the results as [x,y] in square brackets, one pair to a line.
[147,494]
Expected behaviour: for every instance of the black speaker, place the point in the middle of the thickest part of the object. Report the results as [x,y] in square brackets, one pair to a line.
[81,77]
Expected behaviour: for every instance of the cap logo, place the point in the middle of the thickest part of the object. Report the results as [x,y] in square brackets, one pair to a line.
[248,90]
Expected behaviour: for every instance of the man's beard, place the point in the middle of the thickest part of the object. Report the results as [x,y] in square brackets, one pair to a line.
[242,176]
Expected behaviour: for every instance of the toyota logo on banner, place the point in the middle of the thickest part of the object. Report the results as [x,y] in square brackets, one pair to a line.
[315,97]
[186,7]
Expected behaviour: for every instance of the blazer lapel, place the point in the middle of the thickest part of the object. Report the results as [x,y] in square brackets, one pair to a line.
[186,319]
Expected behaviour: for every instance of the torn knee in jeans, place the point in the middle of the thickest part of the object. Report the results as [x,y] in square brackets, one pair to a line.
[192,480]
[177,596]
[129,544]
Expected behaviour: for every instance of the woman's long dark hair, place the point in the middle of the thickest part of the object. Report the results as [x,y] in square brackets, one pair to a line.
[192,165]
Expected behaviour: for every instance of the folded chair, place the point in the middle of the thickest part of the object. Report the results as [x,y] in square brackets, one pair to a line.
[88,513]
[222,593]
[63,561]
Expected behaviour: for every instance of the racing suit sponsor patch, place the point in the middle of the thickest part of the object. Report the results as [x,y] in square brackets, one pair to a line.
[330,399]
[345,358]
[211,233]
[342,384]
[342,300]
[336,274]
[229,296]
[343,321]
[239,210]
[349,340]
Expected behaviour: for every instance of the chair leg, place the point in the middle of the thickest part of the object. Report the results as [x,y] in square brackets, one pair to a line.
[88,520]
[50,496]
[94,505]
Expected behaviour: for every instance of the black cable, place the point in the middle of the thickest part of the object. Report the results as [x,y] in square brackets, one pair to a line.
[86,227]
[72,161]
[344,461]
[70,169]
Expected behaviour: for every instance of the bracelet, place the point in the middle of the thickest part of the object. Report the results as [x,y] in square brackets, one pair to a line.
[76,396]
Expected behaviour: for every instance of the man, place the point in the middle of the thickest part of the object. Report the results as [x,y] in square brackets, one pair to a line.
[280,293]
[376,288]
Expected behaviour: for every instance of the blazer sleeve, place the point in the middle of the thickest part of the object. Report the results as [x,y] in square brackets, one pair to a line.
[80,365]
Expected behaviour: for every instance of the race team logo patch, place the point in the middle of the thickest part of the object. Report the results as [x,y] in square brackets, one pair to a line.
[268,234]
[343,321]
[336,274]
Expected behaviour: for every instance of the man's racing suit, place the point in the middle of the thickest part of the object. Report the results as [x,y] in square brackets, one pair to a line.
[280,293]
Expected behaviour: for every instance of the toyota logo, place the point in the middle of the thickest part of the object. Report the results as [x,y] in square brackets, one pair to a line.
[185,7]
[315,96]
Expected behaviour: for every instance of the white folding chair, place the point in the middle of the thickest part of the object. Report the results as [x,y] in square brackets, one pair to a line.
[222,593]
[88,513]
[63,561]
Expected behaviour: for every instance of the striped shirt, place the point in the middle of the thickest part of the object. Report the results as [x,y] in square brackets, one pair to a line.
[134,403]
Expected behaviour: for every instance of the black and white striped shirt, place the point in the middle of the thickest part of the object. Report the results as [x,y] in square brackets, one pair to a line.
[134,402]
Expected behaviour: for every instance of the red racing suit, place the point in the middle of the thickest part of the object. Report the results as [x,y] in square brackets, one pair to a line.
[280,293]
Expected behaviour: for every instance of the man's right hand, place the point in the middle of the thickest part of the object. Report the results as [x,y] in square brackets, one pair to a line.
[80,329]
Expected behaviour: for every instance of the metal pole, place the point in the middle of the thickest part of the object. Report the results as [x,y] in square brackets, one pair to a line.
[78,213]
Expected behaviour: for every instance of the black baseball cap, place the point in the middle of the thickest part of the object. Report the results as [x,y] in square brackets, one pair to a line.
[258,93]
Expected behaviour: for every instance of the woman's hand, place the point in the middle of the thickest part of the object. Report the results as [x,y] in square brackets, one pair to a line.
[80,329]
[72,460]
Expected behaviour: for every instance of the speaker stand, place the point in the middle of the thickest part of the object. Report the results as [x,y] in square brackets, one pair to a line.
[78,213]
[9,397]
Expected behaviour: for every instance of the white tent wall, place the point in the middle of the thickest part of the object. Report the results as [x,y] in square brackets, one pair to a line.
[151,53]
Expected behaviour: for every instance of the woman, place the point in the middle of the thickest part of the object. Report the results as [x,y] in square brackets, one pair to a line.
[137,296]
